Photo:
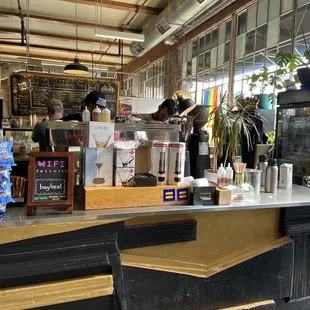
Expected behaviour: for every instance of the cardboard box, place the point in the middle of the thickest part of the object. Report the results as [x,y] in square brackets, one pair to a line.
[124,176]
[98,167]
[124,158]
[223,196]
[100,134]
[286,176]
[159,159]
[176,163]
[143,159]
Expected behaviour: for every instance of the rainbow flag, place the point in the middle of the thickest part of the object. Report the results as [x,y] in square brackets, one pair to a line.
[211,99]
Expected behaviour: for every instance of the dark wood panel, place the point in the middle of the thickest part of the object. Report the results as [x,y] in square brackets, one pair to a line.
[61,256]
[302,304]
[295,221]
[157,234]
[265,277]
[301,271]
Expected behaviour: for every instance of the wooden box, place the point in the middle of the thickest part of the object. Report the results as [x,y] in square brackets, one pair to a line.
[126,197]
[223,195]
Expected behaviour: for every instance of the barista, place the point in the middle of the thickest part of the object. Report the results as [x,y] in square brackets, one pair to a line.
[164,112]
[93,99]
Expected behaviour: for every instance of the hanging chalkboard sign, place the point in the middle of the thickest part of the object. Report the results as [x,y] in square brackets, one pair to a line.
[31,92]
[50,179]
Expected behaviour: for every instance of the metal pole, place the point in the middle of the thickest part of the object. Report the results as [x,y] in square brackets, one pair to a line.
[232,60]
[294,32]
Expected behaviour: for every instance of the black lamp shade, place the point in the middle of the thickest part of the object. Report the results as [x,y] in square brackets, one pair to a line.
[76,67]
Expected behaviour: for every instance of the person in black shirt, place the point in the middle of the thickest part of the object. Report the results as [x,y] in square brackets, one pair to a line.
[93,99]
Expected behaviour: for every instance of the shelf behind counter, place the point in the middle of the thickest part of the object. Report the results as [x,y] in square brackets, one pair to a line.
[16,216]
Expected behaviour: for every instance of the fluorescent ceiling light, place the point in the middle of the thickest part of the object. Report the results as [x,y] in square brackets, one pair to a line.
[119,35]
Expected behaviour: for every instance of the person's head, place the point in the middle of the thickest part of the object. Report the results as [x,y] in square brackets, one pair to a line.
[93,99]
[55,109]
[166,110]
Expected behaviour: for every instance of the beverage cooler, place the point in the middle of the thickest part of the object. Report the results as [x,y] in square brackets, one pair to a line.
[293,132]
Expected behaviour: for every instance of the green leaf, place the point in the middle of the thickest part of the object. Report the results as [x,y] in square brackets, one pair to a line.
[307,55]
[283,59]
[296,79]
[272,98]
[255,77]
[278,87]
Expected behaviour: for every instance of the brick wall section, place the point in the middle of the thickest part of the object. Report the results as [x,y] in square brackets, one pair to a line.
[161,50]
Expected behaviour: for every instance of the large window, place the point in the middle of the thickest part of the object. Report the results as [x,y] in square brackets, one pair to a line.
[147,83]
[262,30]
[205,62]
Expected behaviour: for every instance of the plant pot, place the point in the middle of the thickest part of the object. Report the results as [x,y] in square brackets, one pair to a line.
[264,102]
[304,77]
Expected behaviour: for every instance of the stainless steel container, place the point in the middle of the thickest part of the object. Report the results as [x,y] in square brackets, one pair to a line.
[253,177]
[262,166]
[271,181]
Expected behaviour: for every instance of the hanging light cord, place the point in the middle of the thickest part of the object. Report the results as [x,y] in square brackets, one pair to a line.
[76,29]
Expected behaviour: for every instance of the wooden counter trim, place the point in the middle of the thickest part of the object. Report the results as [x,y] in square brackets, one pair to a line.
[130,197]
[253,306]
[200,270]
[19,233]
[28,297]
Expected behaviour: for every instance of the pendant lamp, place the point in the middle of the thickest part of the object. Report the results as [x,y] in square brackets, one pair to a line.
[76,67]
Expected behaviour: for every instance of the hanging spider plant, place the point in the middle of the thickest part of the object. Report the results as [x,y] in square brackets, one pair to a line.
[230,123]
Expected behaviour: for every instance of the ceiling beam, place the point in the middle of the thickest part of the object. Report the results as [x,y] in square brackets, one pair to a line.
[65,21]
[117,5]
[61,37]
[62,59]
[5,44]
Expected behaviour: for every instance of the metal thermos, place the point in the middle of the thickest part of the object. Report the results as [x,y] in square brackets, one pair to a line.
[271,180]
[262,166]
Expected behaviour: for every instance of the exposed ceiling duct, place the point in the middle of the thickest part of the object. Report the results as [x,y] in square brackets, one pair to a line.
[174,16]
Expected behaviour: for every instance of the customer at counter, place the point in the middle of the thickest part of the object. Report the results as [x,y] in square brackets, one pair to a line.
[54,112]
[93,99]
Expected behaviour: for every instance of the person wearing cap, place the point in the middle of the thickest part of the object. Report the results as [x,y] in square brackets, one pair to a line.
[93,99]
[164,112]
[55,112]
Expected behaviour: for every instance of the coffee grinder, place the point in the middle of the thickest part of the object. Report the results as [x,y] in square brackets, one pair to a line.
[198,142]
[194,119]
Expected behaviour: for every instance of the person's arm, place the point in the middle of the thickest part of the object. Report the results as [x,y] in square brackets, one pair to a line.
[35,133]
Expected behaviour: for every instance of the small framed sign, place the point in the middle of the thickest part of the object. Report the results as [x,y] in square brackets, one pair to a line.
[50,180]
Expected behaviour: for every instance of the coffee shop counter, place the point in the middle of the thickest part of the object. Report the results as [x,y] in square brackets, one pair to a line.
[174,257]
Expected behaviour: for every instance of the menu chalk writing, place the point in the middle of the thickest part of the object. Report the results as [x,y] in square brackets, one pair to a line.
[31,92]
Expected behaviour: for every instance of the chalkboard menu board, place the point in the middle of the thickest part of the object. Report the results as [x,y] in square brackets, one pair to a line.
[50,180]
[30,93]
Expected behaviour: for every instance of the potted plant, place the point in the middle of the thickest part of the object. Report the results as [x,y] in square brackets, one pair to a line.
[229,122]
[261,80]
[287,63]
